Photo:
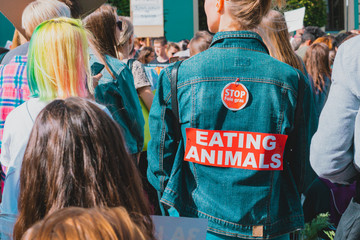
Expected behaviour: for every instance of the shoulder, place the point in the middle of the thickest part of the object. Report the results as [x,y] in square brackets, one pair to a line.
[18,114]
[115,64]
[22,112]
[353,44]
[346,65]
[102,107]
[12,68]
[348,53]
[137,64]
[20,50]
[252,64]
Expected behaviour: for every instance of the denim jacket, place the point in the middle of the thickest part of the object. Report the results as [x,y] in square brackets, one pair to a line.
[241,203]
[121,98]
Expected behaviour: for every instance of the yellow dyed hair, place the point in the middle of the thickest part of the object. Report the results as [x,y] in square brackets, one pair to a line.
[58,60]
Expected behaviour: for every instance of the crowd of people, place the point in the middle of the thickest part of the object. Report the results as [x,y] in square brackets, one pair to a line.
[249,127]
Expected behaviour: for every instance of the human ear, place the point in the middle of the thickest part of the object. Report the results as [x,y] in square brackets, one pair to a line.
[219,5]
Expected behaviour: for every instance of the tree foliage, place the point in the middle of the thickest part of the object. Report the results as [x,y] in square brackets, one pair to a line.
[202,16]
[315,14]
[123,6]
[315,11]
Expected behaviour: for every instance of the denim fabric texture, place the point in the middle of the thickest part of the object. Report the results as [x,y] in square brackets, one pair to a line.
[8,207]
[233,200]
[120,97]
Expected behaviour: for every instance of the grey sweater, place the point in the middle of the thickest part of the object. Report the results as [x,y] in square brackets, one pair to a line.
[335,147]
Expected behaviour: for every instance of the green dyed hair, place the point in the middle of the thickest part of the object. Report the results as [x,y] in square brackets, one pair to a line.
[58,60]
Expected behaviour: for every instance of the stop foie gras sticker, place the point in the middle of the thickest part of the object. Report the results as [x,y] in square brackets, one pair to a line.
[235,96]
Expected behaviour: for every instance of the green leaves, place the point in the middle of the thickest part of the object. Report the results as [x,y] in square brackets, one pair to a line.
[123,6]
[315,14]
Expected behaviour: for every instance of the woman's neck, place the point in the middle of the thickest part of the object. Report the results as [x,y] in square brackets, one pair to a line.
[227,23]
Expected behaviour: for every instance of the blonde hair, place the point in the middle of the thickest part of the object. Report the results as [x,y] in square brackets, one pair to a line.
[273,29]
[41,10]
[125,36]
[97,223]
[249,13]
[58,62]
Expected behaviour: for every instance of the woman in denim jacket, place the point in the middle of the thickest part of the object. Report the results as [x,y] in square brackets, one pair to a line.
[236,108]
[116,89]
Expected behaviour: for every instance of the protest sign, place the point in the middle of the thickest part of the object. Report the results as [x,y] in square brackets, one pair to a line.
[180,228]
[295,19]
[147,12]
[148,17]
[152,72]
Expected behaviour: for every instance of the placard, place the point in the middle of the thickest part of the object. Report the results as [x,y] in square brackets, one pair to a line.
[152,72]
[147,12]
[180,228]
[295,19]
[148,17]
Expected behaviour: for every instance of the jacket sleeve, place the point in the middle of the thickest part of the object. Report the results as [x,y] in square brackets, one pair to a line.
[307,124]
[162,146]
[332,148]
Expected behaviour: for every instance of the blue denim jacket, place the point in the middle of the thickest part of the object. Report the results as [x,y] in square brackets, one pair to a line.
[9,206]
[120,97]
[237,202]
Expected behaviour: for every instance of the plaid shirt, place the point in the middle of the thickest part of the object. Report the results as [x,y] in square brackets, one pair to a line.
[14,90]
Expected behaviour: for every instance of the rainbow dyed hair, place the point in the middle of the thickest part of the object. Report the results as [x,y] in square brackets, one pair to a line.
[58,60]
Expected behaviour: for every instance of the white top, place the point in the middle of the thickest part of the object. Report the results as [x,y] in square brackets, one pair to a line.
[17,129]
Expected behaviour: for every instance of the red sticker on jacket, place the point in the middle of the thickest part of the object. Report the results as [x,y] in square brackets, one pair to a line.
[234,149]
[235,96]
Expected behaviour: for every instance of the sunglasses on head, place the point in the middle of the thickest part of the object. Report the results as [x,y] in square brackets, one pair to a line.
[119,25]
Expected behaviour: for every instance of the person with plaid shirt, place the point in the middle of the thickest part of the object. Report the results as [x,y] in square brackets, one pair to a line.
[14,91]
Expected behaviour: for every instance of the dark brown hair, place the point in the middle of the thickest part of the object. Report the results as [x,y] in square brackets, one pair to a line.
[173,45]
[145,53]
[161,40]
[102,24]
[317,64]
[76,223]
[74,6]
[76,156]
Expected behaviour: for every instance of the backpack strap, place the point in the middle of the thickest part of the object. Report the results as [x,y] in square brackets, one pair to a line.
[175,111]
[174,100]
[130,63]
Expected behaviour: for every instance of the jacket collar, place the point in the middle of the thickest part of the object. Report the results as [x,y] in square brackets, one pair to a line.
[243,35]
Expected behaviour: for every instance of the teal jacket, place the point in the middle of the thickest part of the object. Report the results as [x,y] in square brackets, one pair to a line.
[120,97]
[225,168]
